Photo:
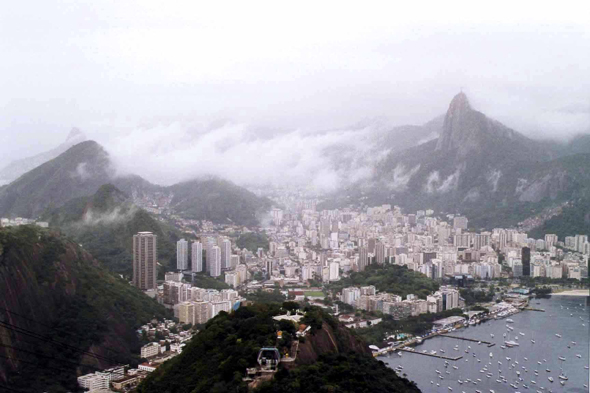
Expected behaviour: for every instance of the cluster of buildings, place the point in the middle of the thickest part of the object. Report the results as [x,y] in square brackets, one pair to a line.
[196,305]
[367,298]
[307,244]
[217,255]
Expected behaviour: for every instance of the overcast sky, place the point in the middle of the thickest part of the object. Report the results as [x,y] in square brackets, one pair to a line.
[116,68]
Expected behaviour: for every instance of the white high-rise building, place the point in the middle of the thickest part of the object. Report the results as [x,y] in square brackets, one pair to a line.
[197,257]
[225,254]
[334,271]
[460,223]
[182,254]
[214,261]
[550,240]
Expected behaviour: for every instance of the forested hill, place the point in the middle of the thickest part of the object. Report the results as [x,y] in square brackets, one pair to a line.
[105,223]
[395,279]
[62,313]
[330,359]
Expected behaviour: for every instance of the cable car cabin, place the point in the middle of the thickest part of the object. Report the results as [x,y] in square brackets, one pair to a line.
[269,358]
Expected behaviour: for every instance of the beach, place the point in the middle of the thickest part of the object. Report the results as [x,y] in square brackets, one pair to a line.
[574,292]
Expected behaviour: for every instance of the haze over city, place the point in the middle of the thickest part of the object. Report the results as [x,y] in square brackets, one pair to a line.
[255,93]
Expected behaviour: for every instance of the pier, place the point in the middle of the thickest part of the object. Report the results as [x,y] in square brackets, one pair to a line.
[432,355]
[489,344]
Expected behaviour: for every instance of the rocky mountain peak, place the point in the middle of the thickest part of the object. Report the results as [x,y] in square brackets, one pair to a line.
[462,127]
[77,134]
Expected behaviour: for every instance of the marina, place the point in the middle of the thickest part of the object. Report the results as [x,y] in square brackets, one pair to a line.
[508,369]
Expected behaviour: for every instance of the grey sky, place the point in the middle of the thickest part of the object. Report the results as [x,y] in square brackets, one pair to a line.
[114,68]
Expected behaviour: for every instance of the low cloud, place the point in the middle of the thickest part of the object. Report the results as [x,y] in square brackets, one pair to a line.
[166,154]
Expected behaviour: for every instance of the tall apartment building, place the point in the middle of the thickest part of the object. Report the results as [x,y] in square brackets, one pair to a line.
[182,254]
[197,257]
[145,258]
[225,246]
[460,222]
[214,261]
[363,258]
[550,240]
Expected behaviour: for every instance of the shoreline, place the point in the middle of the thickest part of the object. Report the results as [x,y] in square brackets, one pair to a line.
[575,292]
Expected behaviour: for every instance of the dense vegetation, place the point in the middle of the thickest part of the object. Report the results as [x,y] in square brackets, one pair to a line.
[252,241]
[472,296]
[104,224]
[70,301]
[203,280]
[346,373]
[542,281]
[261,296]
[218,201]
[390,278]
[216,359]
[573,220]
[413,325]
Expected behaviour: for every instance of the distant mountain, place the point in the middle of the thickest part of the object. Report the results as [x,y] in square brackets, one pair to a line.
[19,167]
[372,142]
[67,314]
[85,167]
[476,165]
[79,171]
[331,358]
[217,200]
[104,224]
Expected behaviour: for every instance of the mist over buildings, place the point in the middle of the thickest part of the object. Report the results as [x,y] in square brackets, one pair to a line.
[263,92]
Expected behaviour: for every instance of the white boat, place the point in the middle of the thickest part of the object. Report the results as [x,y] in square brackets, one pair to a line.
[511,344]
[557,335]
[578,355]
[521,333]
[565,378]
[561,358]
[509,320]
[550,379]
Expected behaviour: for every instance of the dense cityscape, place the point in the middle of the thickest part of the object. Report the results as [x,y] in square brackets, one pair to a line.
[308,250]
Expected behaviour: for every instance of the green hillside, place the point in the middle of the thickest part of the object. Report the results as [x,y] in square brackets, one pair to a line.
[62,302]
[104,224]
[574,220]
[79,171]
[218,201]
[216,359]
[394,279]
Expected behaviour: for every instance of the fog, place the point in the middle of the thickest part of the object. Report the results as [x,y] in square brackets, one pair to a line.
[257,92]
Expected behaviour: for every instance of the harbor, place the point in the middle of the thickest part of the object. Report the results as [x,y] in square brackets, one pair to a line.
[550,353]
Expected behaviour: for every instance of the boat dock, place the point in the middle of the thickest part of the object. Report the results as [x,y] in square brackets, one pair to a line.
[432,355]
[489,344]
[534,309]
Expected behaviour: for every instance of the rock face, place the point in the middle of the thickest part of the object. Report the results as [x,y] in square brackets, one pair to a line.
[325,341]
[67,314]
